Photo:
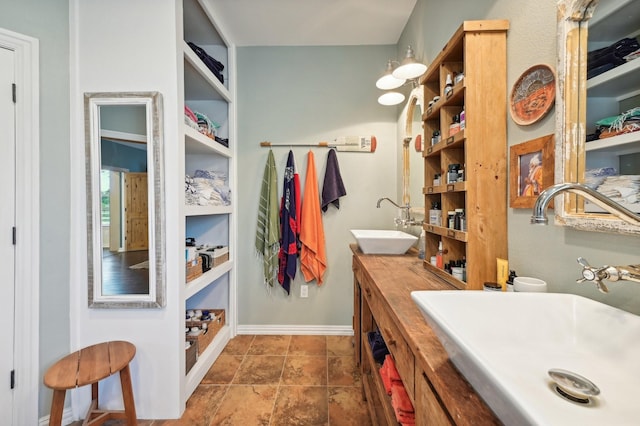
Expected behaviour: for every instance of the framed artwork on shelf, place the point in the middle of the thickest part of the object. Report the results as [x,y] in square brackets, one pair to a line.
[530,171]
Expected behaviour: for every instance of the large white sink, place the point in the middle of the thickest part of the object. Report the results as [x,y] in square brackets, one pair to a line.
[505,343]
[378,241]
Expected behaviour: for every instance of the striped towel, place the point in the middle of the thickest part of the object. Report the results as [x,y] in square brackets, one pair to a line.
[268,227]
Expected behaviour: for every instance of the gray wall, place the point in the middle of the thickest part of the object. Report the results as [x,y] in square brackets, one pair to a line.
[546,252]
[48,21]
[306,95]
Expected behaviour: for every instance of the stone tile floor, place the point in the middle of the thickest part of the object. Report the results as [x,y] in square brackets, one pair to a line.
[277,380]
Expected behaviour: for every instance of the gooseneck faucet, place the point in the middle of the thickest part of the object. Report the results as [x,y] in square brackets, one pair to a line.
[540,208]
[406,219]
[589,273]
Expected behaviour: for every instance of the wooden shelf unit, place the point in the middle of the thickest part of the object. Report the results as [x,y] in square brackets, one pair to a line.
[478,50]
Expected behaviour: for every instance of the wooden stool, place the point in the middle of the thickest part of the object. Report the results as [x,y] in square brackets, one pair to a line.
[89,366]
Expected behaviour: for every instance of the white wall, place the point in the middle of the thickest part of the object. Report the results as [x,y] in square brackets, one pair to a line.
[297,95]
[125,46]
[546,252]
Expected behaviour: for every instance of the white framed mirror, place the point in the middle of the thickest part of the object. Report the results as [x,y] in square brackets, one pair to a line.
[575,96]
[125,199]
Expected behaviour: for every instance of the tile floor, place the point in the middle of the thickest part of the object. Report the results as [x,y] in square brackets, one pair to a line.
[278,380]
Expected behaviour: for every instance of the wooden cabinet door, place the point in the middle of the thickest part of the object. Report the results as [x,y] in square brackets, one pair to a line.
[136,212]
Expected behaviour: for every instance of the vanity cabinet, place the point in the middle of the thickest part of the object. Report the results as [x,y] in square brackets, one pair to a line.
[613,92]
[470,119]
[209,224]
[382,302]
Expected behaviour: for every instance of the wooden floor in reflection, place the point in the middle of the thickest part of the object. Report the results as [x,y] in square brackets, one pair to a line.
[119,278]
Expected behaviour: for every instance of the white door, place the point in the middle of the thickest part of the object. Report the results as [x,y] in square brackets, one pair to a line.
[7,221]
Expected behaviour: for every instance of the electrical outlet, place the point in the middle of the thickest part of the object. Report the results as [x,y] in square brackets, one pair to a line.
[304,290]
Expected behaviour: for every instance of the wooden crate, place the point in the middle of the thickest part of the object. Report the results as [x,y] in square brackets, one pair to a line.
[194,269]
[213,327]
[191,356]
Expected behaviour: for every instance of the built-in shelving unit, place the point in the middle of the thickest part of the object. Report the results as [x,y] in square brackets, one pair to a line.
[477,50]
[613,92]
[211,225]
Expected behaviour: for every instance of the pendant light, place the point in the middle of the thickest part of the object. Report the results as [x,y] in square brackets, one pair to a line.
[409,68]
[391,98]
[388,81]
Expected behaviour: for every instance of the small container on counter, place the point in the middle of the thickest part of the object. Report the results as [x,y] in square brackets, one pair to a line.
[490,286]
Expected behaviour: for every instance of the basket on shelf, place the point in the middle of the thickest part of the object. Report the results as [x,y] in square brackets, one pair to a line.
[194,269]
[214,325]
[191,356]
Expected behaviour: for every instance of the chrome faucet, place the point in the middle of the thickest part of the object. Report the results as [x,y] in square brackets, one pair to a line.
[540,208]
[610,273]
[589,273]
[405,220]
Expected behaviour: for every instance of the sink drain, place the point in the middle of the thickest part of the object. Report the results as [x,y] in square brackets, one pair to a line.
[572,386]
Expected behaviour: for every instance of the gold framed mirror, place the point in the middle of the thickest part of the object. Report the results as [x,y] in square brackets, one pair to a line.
[125,199]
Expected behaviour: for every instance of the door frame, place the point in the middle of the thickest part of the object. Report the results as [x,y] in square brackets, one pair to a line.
[27,223]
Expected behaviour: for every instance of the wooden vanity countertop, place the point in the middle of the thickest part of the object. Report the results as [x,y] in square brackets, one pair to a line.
[396,277]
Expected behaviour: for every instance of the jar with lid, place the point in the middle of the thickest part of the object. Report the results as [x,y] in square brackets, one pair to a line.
[451,215]
[454,127]
[435,137]
[436,179]
[435,214]
[452,175]
[457,219]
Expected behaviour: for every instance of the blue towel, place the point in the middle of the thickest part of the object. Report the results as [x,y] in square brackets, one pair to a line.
[332,187]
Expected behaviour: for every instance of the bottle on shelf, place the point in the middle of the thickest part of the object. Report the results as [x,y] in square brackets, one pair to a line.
[435,214]
[454,127]
[422,244]
[448,88]
[439,256]
[451,219]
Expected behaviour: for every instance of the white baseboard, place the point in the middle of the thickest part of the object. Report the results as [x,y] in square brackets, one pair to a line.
[328,330]
[67,418]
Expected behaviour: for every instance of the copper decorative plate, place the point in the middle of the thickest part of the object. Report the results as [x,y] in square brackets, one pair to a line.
[533,95]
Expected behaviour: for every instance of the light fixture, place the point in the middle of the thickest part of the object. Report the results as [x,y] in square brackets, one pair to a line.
[388,81]
[409,68]
[394,77]
[391,98]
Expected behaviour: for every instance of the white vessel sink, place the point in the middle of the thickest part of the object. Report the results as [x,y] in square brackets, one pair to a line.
[378,241]
[505,344]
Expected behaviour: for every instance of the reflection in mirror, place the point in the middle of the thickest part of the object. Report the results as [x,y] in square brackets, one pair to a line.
[412,139]
[124,200]
[416,161]
[580,100]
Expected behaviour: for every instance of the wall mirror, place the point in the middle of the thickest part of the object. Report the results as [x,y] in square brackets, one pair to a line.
[412,160]
[125,196]
[585,97]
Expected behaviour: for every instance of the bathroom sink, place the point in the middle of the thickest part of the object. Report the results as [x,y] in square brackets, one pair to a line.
[379,241]
[505,344]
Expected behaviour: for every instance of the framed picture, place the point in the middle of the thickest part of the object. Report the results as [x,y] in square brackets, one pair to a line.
[530,171]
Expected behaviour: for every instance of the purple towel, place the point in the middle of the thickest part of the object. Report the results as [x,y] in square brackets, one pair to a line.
[332,187]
